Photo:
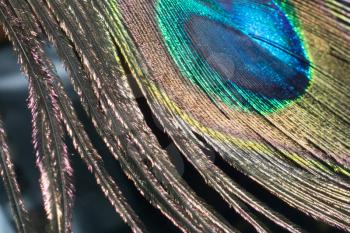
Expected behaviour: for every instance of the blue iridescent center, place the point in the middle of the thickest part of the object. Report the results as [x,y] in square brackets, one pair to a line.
[246,53]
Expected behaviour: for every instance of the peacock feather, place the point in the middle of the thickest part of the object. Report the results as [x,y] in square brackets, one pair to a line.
[258,87]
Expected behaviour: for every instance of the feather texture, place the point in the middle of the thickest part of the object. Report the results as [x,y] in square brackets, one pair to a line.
[263,85]
[51,151]
[8,175]
[74,128]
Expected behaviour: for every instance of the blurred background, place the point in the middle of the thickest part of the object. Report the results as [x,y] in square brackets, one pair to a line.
[92,212]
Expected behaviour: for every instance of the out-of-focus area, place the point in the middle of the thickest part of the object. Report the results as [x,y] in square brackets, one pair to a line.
[2,36]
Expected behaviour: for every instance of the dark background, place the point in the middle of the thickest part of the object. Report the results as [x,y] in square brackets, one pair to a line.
[92,212]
